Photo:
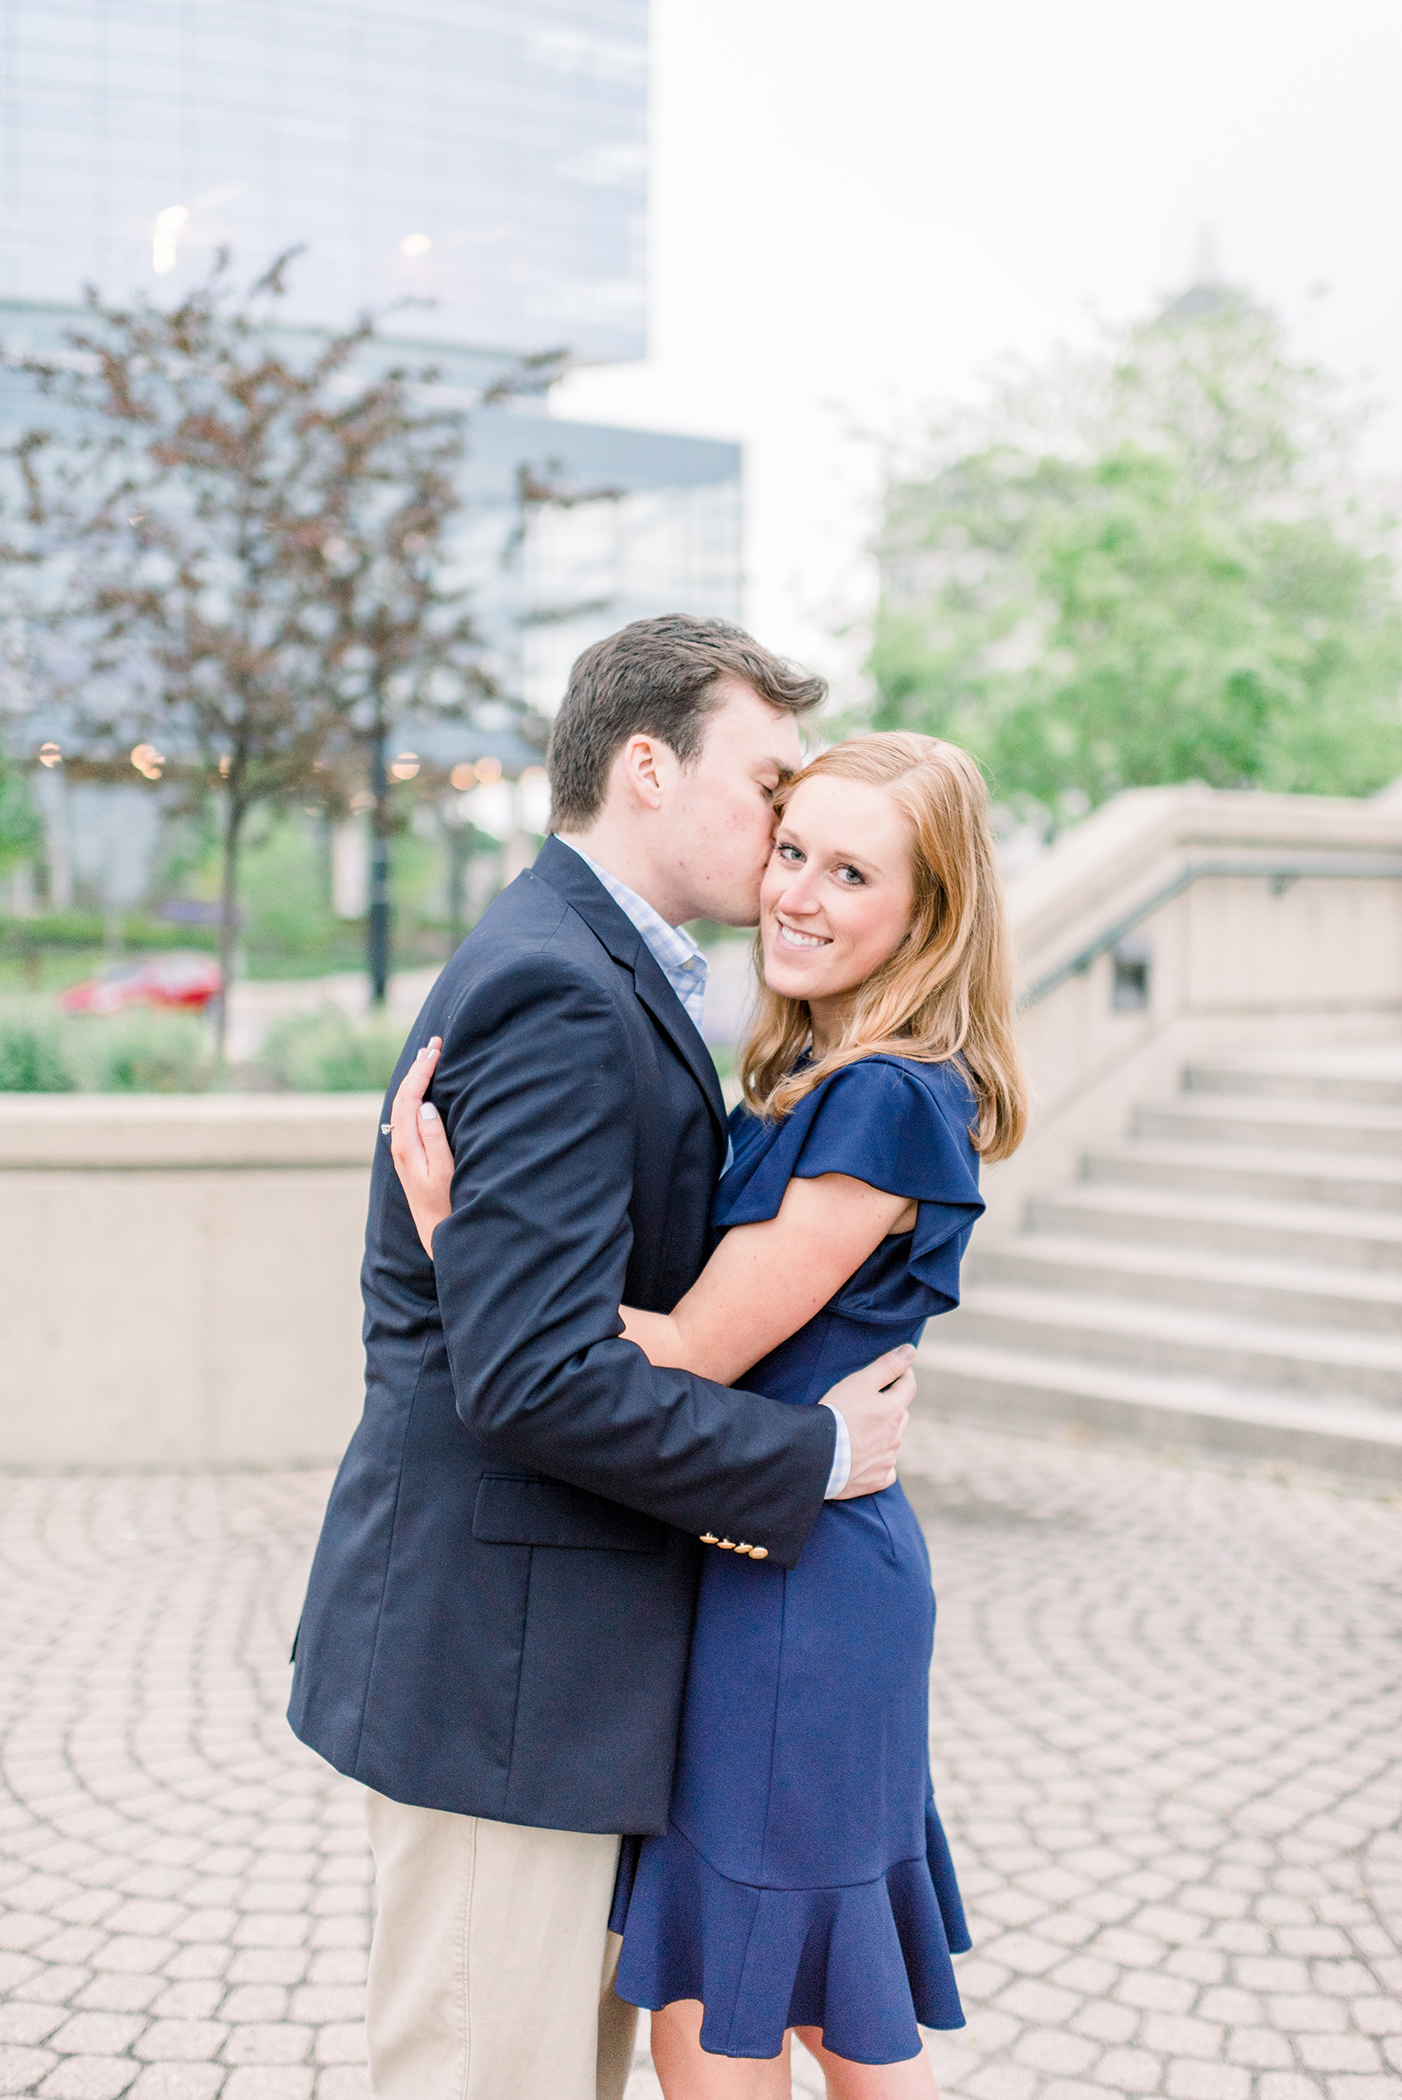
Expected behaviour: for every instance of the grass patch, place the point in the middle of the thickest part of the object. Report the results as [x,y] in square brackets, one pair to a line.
[139,1052]
[34,1052]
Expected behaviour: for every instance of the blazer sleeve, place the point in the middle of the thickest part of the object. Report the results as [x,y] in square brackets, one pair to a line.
[534,1085]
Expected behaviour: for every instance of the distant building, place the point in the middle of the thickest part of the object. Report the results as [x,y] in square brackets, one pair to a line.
[486,157]
[490,155]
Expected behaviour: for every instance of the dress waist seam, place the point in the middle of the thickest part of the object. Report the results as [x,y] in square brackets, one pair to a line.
[799,1888]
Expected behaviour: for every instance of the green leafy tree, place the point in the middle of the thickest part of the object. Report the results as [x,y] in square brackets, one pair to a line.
[1144,569]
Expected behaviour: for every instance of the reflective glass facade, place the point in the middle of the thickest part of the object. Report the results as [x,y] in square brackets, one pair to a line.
[662,534]
[486,155]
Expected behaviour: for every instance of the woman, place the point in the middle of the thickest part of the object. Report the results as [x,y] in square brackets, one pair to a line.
[804,1883]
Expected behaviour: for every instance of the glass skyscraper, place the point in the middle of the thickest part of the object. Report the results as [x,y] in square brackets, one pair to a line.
[476,166]
[481,161]
[488,156]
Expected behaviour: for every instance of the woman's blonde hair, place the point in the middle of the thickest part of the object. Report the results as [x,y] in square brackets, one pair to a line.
[946,994]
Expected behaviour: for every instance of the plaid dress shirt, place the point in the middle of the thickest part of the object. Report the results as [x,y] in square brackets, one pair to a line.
[676,954]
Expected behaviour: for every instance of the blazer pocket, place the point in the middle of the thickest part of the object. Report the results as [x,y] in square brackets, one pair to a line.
[514,1510]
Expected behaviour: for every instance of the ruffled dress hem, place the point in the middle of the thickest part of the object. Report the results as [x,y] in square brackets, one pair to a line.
[864,1963]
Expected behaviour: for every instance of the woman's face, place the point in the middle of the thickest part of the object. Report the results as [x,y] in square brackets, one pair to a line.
[836,898]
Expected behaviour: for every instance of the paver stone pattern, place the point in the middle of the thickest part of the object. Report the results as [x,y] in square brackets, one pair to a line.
[1167,1741]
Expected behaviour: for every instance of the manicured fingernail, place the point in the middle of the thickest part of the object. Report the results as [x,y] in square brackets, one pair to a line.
[428,1113]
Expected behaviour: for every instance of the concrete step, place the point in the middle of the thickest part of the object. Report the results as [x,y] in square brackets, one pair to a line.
[1366,1076]
[1311,1293]
[1314,1126]
[1229,1277]
[1149,1217]
[1287,1175]
[1327,1361]
[970,1382]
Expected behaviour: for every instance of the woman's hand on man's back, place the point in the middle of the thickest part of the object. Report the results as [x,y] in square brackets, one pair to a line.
[419,1146]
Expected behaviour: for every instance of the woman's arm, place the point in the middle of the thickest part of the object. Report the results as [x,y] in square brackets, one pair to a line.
[760,1286]
[765,1281]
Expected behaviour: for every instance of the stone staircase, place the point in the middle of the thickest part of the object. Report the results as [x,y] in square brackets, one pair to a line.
[1229,1276]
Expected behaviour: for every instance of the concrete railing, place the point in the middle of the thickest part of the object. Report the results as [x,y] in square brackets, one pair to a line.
[1183,920]
[179,1278]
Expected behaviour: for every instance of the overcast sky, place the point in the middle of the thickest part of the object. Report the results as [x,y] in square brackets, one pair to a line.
[858,204]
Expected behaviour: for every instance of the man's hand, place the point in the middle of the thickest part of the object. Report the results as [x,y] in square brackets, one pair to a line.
[875,1404]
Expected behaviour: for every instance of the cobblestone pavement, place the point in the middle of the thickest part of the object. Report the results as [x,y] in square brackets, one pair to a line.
[1167,1742]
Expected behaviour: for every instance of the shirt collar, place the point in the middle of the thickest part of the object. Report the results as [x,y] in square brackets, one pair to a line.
[672,946]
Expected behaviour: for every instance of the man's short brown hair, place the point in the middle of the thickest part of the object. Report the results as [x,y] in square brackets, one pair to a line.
[655,678]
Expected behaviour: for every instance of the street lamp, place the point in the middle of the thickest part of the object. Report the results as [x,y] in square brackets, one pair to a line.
[377,923]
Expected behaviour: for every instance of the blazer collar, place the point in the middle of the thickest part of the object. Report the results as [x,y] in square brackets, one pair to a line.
[572,879]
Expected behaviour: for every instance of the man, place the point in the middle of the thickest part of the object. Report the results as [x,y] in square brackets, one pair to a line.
[497,1623]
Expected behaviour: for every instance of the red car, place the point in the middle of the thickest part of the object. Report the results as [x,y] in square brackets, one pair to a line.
[188,981]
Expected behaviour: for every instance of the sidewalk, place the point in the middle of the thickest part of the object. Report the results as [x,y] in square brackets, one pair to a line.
[1167,1741]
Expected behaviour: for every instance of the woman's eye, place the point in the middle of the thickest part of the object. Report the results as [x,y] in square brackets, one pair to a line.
[788,853]
[849,875]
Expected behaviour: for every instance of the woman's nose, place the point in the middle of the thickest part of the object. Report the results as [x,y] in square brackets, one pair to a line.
[799,897]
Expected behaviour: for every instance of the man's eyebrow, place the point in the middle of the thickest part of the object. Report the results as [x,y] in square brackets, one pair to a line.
[774,765]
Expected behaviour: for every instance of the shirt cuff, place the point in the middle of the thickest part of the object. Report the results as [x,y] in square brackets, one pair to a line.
[841,1455]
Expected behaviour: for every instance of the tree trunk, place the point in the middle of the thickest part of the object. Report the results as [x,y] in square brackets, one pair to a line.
[235,810]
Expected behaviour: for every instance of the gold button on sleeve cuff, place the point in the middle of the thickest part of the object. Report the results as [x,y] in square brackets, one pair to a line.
[726,1545]
[759,1553]
[708,1538]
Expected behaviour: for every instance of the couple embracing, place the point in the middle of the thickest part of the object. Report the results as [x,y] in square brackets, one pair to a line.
[618,1612]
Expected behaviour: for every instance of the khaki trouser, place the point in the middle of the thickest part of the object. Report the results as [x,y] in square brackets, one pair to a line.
[491,1964]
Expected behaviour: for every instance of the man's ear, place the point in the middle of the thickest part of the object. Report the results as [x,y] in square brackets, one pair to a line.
[646,761]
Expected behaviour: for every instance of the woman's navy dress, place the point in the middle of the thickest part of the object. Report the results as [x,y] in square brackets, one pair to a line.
[805,1880]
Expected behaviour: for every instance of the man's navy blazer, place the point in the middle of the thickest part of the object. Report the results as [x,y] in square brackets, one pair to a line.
[500,1606]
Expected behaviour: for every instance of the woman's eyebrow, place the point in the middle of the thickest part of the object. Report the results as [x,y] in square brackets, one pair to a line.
[836,854]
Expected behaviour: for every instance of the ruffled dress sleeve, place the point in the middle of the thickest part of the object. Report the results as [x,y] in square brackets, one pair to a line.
[897,1124]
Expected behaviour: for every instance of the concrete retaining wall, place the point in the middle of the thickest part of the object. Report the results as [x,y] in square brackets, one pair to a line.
[179,1278]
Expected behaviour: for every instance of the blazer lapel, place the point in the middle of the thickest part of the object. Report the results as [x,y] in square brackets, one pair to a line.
[563,869]
[667,1010]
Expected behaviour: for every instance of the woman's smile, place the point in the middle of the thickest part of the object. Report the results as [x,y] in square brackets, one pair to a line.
[793,937]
